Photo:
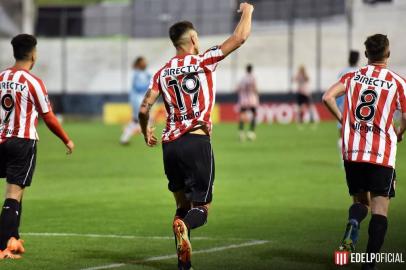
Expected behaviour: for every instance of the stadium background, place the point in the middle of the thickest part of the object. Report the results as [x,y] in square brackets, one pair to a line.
[289,182]
[90,45]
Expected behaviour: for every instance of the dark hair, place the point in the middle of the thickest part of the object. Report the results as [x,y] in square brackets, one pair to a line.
[353,58]
[248,68]
[377,47]
[23,45]
[177,30]
[138,60]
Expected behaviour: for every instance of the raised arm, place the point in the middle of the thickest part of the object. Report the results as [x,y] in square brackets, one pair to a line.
[329,99]
[241,32]
[149,100]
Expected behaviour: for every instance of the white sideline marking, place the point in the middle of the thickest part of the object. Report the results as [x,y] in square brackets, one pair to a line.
[173,256]
[92,235]
[118,236]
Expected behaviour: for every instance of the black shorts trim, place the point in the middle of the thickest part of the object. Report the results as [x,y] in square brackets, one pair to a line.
[368,177]
[302,99]
[249,108]
[190,167]
[18,161]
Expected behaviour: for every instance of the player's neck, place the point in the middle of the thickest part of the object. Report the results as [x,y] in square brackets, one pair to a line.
[180,52]
[378,63]
[23,65]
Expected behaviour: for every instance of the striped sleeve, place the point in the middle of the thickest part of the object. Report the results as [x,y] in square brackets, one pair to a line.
[402,95]
[39,94]
[155,82]
[211,57]
[345,77]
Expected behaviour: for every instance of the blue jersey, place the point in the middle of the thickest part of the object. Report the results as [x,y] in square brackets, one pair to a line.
[139,86]
[140,82]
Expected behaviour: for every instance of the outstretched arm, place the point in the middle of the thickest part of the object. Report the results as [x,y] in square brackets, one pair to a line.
[242,30]
[329,99]
[149,100]
[53,124]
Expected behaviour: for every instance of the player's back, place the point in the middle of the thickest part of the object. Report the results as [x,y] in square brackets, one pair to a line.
[22,97]
[247,92]
[188,86]
[373,94]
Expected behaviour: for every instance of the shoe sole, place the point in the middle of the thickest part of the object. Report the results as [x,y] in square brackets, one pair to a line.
[184,248]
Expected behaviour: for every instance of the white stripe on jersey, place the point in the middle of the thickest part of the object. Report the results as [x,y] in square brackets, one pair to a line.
[39,91]
[25,96]
[5,74]
[347,128]
[369,137]
[357,136]
[16,78]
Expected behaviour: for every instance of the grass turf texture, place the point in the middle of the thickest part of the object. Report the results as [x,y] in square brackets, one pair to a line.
[287,188]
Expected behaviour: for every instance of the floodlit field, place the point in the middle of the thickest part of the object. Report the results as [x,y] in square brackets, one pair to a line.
[279,203]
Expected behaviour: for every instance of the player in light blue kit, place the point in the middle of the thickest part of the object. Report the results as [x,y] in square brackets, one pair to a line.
[353,65]
[139,86]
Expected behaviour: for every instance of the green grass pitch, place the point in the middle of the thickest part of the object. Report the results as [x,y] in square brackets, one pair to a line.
[287,188]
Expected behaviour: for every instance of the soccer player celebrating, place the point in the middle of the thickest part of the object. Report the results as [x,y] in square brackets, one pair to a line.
[372,95]
[188,86]
[23,96]
[248,101]
[140,83]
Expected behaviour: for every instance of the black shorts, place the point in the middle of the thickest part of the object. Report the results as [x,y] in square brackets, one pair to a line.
[189,166]
[251,109]
[363,177]
[17,161]
[303,99]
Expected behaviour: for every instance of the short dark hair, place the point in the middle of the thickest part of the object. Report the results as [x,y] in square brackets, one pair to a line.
[138,60]
[177,30]
[248,68]
[23,45]
[377,47]
[353,58]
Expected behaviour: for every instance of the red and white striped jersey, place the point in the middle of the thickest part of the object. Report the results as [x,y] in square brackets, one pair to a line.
[22,97]
[373,94]
[188,87]
[247,92]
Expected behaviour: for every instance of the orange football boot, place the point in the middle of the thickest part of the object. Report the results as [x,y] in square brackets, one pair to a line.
[16,246]
[184,248]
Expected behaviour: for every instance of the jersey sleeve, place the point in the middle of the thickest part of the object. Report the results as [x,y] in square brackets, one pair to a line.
[40,96]
[343,79]
[155,84]
[402,96]
[212,57]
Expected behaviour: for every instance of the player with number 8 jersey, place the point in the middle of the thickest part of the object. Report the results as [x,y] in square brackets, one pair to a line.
[373,94]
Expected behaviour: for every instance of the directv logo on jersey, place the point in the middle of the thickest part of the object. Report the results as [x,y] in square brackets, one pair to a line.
[180,70]
[373,81]
[10,85]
